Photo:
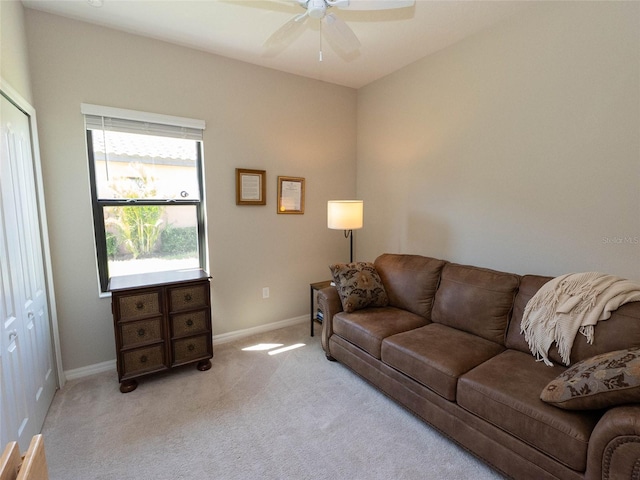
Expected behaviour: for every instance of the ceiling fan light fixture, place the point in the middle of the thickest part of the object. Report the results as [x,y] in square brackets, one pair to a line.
[316,8]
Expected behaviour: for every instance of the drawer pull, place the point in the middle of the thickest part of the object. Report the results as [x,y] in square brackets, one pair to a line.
[189,323]
[139,305]
[191,347]
[143,359]
[187,297]
[141,332]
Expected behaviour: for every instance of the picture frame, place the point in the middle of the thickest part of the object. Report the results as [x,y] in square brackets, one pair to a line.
[290,195]
[251,187]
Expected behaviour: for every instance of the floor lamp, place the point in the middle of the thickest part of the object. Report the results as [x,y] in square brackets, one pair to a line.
[345,215]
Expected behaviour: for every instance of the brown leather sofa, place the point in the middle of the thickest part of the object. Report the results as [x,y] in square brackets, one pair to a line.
[448,347]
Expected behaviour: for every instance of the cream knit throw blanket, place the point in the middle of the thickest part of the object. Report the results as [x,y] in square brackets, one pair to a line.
[571,303]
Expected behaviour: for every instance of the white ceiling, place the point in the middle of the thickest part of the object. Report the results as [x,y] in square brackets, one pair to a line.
[238,29]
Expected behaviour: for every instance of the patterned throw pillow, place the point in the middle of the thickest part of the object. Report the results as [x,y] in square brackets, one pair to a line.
[359,286]
[598,382]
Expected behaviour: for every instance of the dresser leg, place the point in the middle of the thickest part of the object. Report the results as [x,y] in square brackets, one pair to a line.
[204,365]
[128,386]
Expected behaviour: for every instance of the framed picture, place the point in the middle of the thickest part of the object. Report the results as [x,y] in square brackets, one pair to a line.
[250,187]
[291,195]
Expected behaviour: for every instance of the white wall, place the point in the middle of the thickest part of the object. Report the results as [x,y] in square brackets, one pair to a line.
[517,149]
[14,60]
[256,118]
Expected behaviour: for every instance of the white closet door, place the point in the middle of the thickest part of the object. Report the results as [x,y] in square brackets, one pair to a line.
[37,329]
[28,379]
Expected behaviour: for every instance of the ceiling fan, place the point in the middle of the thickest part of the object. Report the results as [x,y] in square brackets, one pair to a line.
[336,30]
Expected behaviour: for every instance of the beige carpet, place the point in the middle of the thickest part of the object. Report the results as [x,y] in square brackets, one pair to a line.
[293,415]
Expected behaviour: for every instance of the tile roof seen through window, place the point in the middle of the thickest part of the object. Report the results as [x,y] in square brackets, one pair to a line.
[121,144]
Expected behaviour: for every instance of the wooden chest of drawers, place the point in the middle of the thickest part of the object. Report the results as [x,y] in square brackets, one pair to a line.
[161,320]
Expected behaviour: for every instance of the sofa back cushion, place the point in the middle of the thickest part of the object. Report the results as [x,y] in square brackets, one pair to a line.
[529,285]
[621,331]
[410,281]
[475,300]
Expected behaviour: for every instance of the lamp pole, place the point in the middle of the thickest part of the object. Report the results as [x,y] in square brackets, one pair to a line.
[349,234]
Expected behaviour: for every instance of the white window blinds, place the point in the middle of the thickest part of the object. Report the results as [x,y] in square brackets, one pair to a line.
[131,121]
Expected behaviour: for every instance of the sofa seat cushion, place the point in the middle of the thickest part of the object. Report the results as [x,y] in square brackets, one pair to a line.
[367,328]
[505,391]
[436,355]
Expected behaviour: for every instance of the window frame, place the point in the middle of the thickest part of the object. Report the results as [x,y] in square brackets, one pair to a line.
[98,206]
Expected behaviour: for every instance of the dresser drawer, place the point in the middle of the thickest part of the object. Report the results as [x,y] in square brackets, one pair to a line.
[190,323]
[187,298]
[141,332]
[143,360]
[190,349]
[139,306]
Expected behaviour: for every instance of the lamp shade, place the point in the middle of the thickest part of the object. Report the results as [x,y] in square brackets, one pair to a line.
[345,214]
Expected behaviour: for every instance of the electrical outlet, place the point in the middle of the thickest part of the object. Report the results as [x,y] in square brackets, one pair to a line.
[265,292]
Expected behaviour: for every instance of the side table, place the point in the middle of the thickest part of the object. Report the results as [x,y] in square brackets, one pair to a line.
[313,288]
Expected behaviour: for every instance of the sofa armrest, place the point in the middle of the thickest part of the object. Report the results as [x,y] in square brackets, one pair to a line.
[614,447]
[330,304]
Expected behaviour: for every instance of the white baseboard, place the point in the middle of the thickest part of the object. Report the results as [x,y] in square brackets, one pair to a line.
[110,365]
[247,332]
[90,370]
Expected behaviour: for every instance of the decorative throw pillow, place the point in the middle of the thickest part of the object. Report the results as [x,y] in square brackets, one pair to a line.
[602,381]
[358,285]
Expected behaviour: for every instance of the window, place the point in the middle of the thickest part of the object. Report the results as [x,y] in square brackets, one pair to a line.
[147,191]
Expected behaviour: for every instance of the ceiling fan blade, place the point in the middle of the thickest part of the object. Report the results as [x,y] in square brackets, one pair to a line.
[286,31]
[288,2]
[371,4]
[340,33]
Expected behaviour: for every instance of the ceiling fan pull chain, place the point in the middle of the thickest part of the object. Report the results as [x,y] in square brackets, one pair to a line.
[320,52]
